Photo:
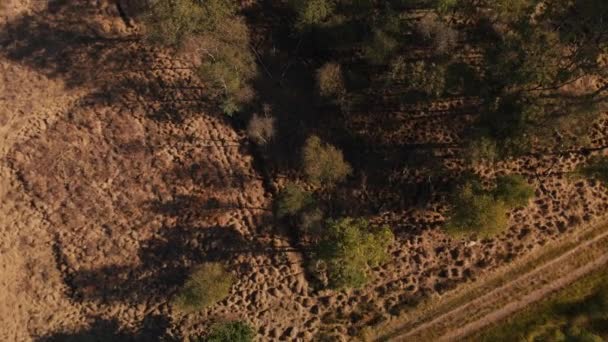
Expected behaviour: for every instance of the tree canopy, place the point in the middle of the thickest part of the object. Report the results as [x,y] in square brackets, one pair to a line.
[349,248]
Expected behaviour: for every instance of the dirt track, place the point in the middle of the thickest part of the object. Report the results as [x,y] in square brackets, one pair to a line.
[515,295]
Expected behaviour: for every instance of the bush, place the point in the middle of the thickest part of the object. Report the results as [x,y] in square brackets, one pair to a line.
[235,331]
[349,248]
[330,81]
[323,163]
[311,12]
[260,129]
[171,23]
[379,48]
[484,212]
[596,167]
[513,190]
[207,285]
[474,211]
[292,200]
[214,37]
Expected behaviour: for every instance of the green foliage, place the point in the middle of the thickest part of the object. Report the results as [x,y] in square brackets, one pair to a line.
[171,22]
[483,212]
[323,163]
[576,313]
[330,81]
[349,248]
[292,200]
[596,167]
[475,211]
[228,63]
[379,47]
[513,190]
[311,12]
[235,331]
[208,284]
[215,37]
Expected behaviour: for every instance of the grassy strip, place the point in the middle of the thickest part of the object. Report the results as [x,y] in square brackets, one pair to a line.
[581,260]
[517,327]
[433,306]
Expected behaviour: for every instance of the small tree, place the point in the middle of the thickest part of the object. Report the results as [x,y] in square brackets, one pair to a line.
[292,200]
[349,248]
[513,190]
[379,47]
[330,81]
[260,129]
[207,285]
[311,12]
[476,211]
[236,331]
[323,163]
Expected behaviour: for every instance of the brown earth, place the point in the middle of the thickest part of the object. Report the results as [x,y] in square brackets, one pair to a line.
[118,175]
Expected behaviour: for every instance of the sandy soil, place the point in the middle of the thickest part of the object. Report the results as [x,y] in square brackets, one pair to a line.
[118,175]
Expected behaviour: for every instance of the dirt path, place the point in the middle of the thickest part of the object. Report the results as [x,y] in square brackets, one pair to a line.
[515,295]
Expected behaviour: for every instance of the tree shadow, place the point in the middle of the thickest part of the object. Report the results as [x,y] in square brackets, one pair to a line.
[101,330]
[164,264]
[67,41]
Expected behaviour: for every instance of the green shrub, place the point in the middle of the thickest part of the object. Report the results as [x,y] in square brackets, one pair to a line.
[311,12]
[349,248]
[380,47]
[475,211]
[513,190]
[323,163]
[171,23]
[208,284]
[228,63]
[596,167]
[235,331]
[292,200]
[214,37]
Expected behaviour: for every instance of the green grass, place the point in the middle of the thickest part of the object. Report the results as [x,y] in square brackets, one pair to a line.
[577,309]
[432,307]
